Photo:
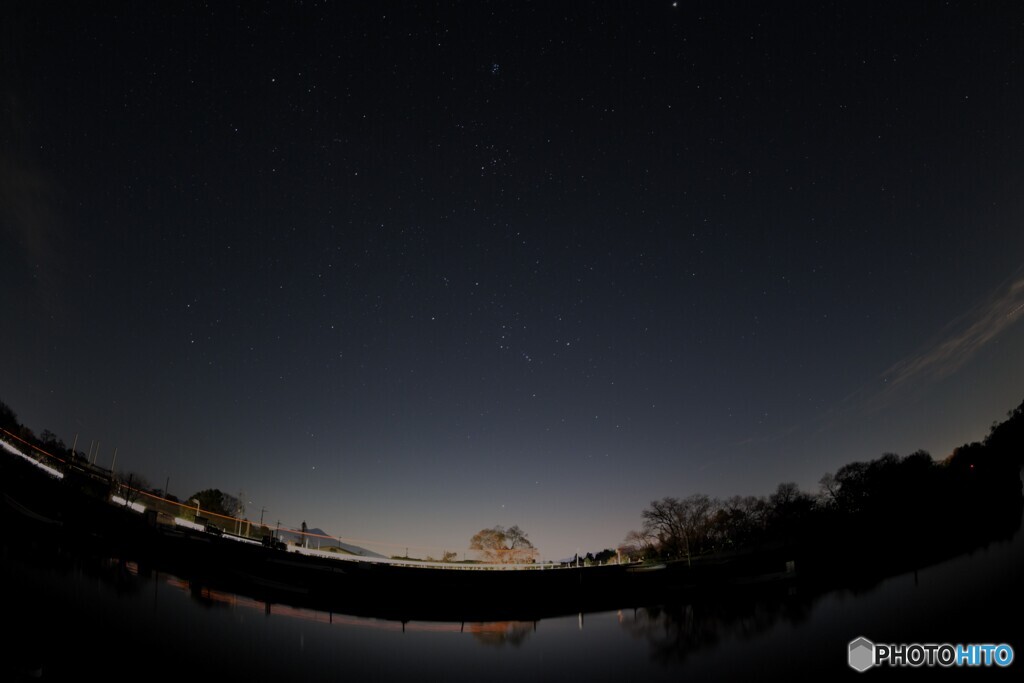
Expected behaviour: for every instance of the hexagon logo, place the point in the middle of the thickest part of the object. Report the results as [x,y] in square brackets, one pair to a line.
[861,654]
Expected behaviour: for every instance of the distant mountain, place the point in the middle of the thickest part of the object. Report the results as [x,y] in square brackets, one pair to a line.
[316,540]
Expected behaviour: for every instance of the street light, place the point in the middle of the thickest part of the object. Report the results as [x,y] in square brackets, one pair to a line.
[196,501]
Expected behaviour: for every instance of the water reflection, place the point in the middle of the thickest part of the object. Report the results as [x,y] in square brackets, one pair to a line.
[126,614]
[501,633]
[972,598]
[675,631]
[491,633]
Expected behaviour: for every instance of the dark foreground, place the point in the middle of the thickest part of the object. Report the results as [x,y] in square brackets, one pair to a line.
[90,589]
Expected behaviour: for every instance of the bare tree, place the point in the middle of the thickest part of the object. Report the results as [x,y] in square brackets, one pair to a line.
[504,546]
[828,490]
[681,527]
[638,544]
[132,486]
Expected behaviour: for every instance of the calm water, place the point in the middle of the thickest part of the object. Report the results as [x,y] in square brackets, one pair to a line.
[115,619]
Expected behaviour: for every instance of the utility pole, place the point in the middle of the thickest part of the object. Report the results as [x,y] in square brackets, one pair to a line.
[239,512]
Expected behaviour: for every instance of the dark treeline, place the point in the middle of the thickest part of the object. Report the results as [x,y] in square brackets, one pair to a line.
[208,501]
[46,441]
[903,504]
[892,504]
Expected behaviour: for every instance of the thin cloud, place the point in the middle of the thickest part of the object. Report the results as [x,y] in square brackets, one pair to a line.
[29,224]
[962,339]
[949,351]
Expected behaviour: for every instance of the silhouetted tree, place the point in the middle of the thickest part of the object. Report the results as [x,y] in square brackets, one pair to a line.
[1006,439]
[828,490]
[683,528]
[851,486]
[49,441]
[639,545]
[27,435]
[132,484]
[216,501]
[8,419]
[791,510]
[740,521]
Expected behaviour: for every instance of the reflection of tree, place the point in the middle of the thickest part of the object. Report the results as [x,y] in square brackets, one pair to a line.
[677,630]
[500,633]
[207,597]
[122,575]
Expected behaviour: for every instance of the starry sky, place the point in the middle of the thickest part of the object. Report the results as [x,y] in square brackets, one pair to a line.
[407,270]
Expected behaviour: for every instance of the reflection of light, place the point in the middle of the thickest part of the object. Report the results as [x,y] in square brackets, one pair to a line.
[118,500]
[220,597]
[241,602]
[501,627]
[199,527]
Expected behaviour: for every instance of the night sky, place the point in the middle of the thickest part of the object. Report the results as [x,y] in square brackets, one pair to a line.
[404,271]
